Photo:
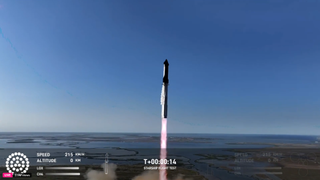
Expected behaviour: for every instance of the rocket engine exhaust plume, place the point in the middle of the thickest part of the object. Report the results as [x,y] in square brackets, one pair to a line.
[163,150]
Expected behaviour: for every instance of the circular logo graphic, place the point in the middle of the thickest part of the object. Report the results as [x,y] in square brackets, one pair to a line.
[17,163]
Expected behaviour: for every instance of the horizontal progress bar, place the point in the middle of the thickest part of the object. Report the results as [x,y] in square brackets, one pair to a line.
[63,168]
[261,167]
[266,173]
[63,174]
[250,173]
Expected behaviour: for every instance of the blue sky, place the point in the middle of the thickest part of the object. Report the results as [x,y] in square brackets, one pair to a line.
[96,66]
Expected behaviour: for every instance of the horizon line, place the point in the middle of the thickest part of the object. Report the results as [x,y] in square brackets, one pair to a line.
[160,133]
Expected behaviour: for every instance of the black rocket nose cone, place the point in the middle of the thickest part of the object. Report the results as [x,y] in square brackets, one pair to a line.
[166,62]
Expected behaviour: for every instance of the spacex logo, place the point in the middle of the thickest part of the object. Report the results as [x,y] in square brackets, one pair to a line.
[17,163]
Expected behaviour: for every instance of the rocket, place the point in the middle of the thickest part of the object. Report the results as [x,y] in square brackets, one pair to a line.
[164,92]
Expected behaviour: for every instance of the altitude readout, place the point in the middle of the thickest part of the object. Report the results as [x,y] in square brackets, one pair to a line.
[160,161]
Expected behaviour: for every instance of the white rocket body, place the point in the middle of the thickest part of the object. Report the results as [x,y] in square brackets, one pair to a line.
[164,91]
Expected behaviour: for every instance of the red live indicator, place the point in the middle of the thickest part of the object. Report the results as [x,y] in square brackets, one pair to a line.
[7,175]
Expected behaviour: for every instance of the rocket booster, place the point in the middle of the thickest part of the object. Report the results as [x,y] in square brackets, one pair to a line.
[164,92]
